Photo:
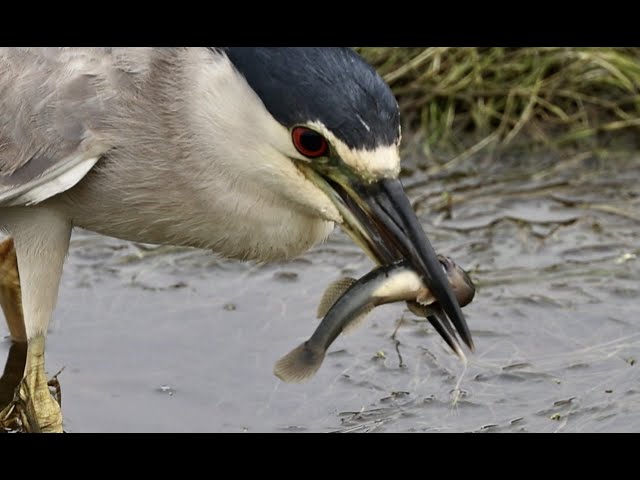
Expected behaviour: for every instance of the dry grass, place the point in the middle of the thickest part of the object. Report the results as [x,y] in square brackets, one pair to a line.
[467,100]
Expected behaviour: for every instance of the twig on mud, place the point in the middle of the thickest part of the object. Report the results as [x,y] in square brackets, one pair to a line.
[459,393]
[401,363]
[369,427]
[611,210]
[55,385]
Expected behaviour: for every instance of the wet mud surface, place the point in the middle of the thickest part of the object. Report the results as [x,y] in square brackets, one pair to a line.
[170,340]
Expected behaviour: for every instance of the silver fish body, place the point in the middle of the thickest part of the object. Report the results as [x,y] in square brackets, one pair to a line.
[347,301]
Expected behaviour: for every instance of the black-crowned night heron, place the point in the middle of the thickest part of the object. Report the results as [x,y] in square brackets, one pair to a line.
[254,153]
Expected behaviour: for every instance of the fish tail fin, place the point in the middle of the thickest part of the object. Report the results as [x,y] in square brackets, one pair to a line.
[300,364]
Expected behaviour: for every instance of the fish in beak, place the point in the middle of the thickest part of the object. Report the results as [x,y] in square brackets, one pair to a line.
[378,216]
[347,301]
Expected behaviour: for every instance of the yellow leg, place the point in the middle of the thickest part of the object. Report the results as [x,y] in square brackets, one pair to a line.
[39,411]
[10,294]
[32,407]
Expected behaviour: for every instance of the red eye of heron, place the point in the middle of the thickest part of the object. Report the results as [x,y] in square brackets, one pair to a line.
[309,143]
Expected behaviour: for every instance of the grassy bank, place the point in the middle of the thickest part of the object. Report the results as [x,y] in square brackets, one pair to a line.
[463,101]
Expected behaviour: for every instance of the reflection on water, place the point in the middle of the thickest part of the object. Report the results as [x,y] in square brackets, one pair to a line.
[166,339]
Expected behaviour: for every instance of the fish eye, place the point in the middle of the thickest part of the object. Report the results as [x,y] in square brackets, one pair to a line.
[309,142]
[446,263]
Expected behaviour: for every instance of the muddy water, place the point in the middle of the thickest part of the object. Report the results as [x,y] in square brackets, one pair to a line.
[164,339]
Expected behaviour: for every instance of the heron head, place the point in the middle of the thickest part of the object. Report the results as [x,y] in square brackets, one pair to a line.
[337,124]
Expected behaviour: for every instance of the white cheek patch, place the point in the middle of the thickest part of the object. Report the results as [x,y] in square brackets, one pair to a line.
[382,162]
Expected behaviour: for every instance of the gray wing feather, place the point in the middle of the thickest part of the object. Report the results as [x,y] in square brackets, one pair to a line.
[53,106]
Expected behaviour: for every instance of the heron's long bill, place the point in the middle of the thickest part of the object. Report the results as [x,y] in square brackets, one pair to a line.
[378,216]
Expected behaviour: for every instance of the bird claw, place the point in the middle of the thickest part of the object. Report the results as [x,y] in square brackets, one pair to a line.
[34,412]
[35,406]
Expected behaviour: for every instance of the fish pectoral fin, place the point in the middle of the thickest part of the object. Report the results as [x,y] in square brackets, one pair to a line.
[418,309]
[425,298]
[333,292]
[357,321]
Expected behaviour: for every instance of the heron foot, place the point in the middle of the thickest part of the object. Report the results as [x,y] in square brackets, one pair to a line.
[34,408]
